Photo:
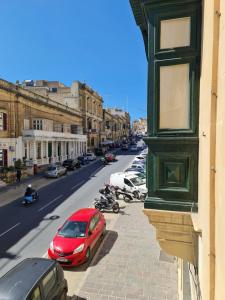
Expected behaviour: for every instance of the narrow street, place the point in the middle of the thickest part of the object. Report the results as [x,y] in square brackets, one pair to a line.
[28,231]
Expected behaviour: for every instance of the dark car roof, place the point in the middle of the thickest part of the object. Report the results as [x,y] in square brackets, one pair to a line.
[18,282]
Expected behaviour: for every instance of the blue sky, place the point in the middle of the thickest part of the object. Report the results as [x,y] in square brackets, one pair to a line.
[96,41]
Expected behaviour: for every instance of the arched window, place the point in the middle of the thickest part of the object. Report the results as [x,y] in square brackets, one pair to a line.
[3,121]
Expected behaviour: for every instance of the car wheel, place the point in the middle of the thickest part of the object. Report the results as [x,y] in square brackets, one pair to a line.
[136,194]
[103,233]
[88,255]
[116,208]
[127,198]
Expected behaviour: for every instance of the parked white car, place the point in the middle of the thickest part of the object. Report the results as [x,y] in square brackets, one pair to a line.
[90,156]
[130,182]
[138,174]
[54,171]
[140,167]
[140,157]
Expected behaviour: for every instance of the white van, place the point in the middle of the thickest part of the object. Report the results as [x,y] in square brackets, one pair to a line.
[132,183]
[138,174]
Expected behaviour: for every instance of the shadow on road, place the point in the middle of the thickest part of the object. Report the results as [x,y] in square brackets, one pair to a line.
[16,221]
[102,248]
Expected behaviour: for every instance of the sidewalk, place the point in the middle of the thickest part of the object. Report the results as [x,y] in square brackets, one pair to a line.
[129,264]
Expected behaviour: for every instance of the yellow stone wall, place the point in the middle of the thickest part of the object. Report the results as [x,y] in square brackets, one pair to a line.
[212,154]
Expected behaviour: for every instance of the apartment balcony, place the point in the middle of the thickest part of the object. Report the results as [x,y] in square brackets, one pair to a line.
[42,134]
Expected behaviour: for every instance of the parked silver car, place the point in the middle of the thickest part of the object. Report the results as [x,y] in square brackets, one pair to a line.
[55,171]
[90,156]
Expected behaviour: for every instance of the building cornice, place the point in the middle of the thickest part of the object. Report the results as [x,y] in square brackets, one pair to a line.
[20,92]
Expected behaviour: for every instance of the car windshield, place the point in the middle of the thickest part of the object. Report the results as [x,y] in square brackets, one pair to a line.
[141,175]
[137,181]
[142,167]
[73,229]
[52,168]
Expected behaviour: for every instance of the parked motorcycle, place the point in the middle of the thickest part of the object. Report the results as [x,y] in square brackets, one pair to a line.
[104,161]
[116,192]
[106,203]
[28,199]
[126,196]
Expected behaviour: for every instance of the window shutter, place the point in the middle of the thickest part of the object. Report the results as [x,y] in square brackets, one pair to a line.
[4,121]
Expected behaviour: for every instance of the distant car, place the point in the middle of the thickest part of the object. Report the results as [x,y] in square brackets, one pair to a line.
[124,147]
[139,162]
[140,157]
[75,240]
[83,159]
[90,156]
[110,157]
[99,151]
[140,147]
[139,167]
[133,148]
[71,164]
[136,170]
[34,279]
[54,171]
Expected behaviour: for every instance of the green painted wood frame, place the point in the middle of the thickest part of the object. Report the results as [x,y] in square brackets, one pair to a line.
[172,166]
[177,157]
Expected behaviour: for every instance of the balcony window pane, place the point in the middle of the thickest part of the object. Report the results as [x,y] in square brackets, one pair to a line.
[175,33]
[174,97]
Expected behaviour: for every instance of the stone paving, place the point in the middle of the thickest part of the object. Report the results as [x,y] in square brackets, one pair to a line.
[129,264]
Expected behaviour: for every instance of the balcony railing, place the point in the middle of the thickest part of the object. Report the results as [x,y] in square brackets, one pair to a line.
[50,134]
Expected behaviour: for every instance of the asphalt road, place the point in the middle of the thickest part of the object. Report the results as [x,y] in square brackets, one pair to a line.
[28,231]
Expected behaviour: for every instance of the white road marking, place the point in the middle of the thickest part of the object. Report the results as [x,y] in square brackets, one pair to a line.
[43,207]
[9,229]
[76,185]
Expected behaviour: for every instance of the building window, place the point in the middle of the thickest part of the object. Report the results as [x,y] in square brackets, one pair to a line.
[37,124]
[3,157]
[174,106]
[26,124]
[25,150]
[175,33]
[3,121]
[38,150]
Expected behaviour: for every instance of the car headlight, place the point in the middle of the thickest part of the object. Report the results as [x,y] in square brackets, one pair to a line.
[78,249]
[52,246]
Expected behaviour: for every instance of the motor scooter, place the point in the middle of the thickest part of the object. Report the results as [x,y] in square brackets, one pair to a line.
[104,161]
[28,199]
[106,203]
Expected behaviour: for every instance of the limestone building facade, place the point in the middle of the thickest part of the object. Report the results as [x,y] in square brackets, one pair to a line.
[140,126]
[36,129]
[78,96]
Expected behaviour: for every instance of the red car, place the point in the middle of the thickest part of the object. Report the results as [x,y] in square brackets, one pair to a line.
[74,241]
[110,157]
